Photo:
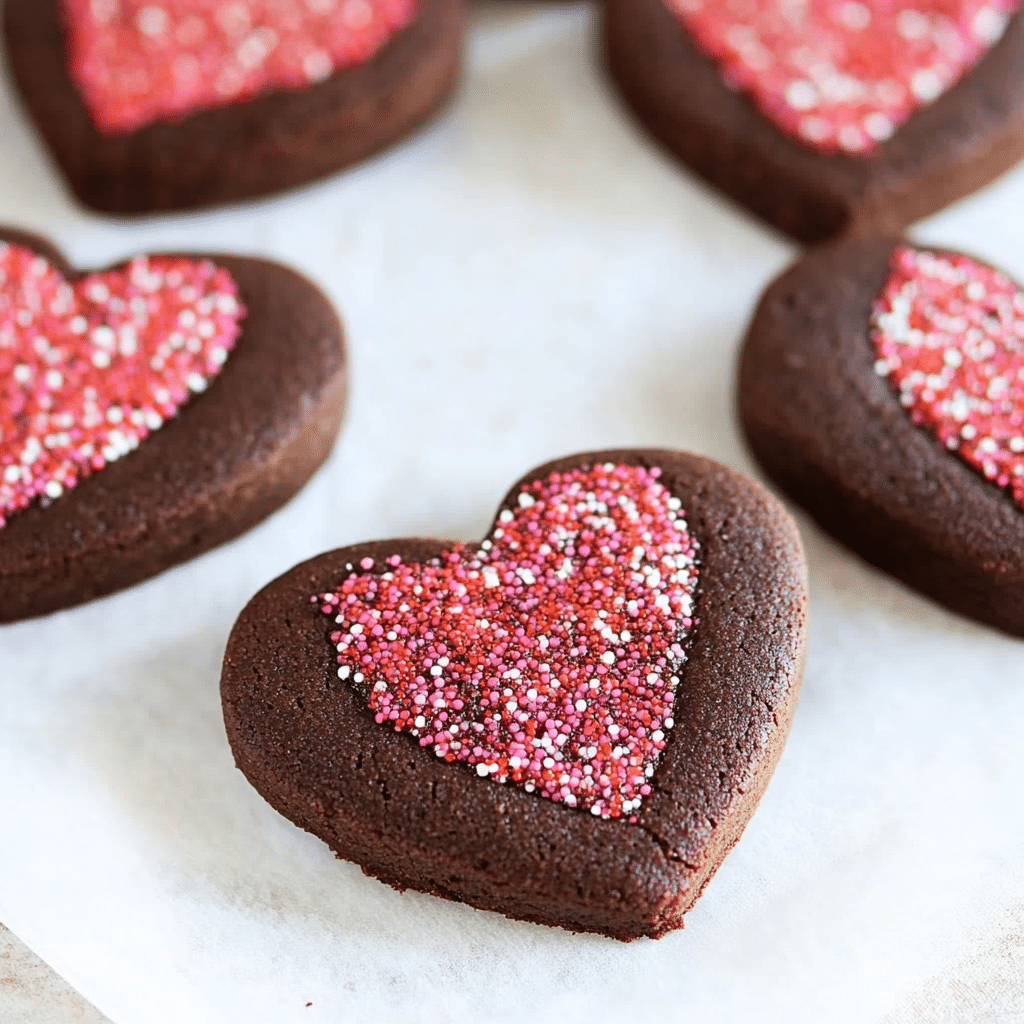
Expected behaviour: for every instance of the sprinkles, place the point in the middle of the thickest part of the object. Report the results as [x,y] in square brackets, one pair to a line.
[842,75]
[90,368]
[547,657]
[136,61]
[949,333]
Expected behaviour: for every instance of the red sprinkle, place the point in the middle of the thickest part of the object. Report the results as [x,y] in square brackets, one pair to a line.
[949,333]
[549,656]
[139,61]
[88,369]
[843,75]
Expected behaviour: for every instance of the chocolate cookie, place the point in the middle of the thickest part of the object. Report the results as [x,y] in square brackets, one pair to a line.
[569,723]
[880,387]
[870,134]
[209,110]
[150,412]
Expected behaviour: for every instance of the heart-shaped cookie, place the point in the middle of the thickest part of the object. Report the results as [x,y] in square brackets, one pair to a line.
[880,387]
[846,116]
[150,412]
[183,103]
[570,722]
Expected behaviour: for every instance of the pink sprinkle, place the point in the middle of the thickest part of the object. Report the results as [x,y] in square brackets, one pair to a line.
[843,75]
[551,670]
[139,61]
[89,369]
[949,334]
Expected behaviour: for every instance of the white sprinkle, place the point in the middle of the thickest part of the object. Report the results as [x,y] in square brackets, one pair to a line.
[879,126]
[152,21]
[801,95]
[989,25]
[912,24]
[926,85]
[855,15]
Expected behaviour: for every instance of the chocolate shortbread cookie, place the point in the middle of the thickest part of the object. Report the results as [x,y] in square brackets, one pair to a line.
[177,106]
[854,118]
[150,412]
[570,722]
[880,387]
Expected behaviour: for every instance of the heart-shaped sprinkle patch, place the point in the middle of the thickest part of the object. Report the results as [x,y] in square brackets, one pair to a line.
[88,368]
[139,61]
[949,333]
[843,75]
[549,655]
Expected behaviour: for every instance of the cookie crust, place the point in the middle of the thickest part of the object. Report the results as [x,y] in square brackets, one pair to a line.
[945,151]
[230,458]
[833,435]
[269,144]
[308,743]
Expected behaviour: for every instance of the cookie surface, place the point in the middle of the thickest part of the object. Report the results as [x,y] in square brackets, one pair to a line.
[829,428]
[415,815]
[268,142]
[230,456]
[944,150]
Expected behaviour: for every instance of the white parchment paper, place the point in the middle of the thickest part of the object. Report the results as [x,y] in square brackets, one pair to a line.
[527,278]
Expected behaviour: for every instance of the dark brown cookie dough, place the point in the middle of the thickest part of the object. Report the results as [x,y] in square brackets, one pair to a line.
[308,743]
[265,145]
[230,458]
[832,434]
[943,152]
